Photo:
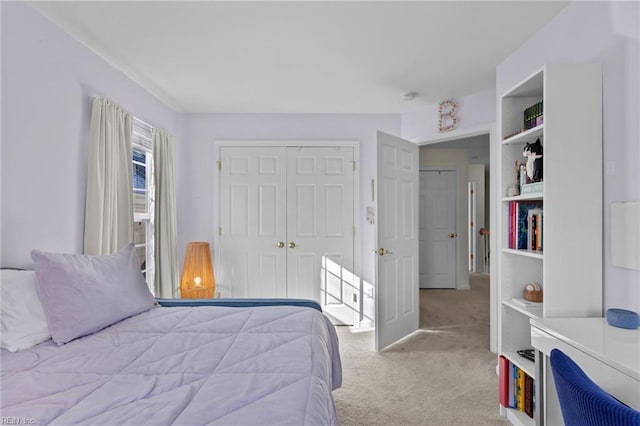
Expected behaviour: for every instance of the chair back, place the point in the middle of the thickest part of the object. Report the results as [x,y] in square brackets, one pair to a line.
[584,403]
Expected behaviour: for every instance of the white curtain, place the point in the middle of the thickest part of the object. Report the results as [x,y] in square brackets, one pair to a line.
[108,224]
[165,221]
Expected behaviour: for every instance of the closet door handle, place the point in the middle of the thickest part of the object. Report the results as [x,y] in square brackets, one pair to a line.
[280,244]
[292,244]
[382,251]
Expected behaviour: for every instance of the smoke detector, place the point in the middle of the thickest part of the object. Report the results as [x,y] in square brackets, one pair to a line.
[409,96]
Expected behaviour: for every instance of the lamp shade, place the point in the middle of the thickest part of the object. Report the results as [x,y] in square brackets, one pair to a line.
[197,280]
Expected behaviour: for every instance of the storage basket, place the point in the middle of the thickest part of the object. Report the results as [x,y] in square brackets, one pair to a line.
[533,295]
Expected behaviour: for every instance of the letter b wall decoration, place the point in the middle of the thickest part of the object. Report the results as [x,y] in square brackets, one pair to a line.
[448,119]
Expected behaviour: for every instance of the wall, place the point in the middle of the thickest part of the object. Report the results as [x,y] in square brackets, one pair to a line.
[473,110]
[197,177]
[48,81]
[609,33]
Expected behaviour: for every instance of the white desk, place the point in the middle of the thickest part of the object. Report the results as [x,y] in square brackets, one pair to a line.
[610,356]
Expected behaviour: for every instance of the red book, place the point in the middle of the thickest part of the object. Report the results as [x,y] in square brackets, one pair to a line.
[503,386]
[512,225]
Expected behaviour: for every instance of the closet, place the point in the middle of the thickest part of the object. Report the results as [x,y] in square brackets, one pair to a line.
[286,224]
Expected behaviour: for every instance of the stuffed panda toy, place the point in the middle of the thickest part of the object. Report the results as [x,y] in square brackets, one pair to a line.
[533,153]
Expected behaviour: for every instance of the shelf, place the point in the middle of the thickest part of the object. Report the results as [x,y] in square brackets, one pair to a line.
[526,136]
[519,418]
[569,92]
[523,363]
[531,312]
[536,196]
[523,252]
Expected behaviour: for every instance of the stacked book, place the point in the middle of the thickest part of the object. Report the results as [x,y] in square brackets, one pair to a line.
[525,225]
[533,116]
[517,389]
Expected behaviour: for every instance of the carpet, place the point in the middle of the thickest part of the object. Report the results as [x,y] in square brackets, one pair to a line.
[444,374]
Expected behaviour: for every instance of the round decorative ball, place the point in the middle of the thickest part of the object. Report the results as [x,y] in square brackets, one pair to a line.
[532,287]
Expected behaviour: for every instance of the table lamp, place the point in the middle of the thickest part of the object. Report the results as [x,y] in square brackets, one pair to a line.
[197,280]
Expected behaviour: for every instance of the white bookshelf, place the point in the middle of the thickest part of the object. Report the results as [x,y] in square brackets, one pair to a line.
[569,267]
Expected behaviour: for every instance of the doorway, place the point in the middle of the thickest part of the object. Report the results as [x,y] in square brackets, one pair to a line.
[469,153]
[438,228]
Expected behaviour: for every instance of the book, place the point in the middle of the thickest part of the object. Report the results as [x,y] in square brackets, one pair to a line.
[512,385]
[512,224]
[520,389]
[540,233]
[534,232]
[532,188]
[528,395]
[522,176]
[532,114]
[522,227]
[503,392]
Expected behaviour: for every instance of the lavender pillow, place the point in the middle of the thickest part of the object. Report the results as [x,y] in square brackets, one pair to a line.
[82,294]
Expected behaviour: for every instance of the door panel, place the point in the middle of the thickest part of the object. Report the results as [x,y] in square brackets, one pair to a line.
[252,222]
[305,210]
[239,205]
[320,200]
[334,219]
[397,312]
[301,276]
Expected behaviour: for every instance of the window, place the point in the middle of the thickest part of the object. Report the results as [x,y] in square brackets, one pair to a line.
[143,194]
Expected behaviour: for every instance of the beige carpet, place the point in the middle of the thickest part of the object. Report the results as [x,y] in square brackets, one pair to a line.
[442,375]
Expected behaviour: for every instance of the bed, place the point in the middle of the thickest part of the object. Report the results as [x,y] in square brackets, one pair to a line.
[270,364]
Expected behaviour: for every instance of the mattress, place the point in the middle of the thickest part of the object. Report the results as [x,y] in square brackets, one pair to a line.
[273,365]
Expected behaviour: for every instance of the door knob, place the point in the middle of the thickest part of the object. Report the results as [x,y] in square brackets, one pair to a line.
[292,244]
[452,235]
[382,251]
[280,244]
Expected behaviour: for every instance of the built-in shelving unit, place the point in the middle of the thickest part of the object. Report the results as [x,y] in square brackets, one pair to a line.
[568,266]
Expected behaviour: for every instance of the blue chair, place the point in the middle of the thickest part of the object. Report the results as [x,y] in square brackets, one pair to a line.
[582,402]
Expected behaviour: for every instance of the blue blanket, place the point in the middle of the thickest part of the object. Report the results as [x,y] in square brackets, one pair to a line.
[239,303]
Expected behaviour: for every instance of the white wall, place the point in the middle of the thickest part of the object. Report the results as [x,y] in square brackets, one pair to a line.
[48,81]
[474,110]
[609,33]
[197,173]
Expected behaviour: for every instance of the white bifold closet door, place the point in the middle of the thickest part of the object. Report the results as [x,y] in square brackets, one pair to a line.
[287,225]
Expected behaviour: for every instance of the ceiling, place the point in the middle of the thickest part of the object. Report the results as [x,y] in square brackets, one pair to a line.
[303,56]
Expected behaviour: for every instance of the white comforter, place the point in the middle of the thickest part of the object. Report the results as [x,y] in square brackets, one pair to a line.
[185,366]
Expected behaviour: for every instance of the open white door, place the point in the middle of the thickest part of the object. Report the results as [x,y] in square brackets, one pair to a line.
[397,296]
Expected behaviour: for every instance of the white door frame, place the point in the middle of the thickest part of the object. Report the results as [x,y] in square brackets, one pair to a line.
[472,220]
[483,129]
[295,143]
